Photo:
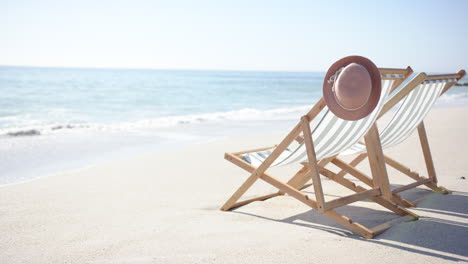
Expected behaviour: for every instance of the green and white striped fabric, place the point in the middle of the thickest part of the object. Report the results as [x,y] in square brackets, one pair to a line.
[410,114]
[331,136]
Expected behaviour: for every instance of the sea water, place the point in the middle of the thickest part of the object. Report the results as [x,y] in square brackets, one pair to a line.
[54,120]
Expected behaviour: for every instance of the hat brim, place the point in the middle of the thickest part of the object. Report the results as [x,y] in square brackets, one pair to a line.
[330,98]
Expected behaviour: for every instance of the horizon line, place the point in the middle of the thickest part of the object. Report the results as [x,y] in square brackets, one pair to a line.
[160,69]
[175,69]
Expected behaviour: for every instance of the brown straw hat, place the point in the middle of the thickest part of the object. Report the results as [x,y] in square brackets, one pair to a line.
[352,87]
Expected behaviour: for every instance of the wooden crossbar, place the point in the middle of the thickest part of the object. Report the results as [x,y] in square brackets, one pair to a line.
[410,186]
[256,199]
[263,197]
[351,198]
[253,150]
[408,172]
[400,167]
[444,76]
[396,71]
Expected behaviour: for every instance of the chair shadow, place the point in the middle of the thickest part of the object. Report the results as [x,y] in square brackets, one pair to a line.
[426,201]
[418,193]
[445,204]
[412,194]
[432,236]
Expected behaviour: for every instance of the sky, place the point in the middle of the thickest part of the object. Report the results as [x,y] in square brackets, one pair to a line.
[288,35]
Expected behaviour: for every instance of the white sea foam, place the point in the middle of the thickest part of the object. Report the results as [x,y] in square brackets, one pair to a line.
[36,127]
[246,114]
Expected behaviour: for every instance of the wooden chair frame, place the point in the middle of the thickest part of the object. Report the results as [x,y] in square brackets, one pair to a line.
[431,180]
[312,169]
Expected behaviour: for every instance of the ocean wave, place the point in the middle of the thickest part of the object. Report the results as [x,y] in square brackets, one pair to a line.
[28,132]
[37,128]
[246,114]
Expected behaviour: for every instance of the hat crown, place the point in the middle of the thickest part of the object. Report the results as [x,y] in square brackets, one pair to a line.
[353,87]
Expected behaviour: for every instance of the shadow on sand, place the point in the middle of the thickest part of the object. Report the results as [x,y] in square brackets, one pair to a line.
[441,231]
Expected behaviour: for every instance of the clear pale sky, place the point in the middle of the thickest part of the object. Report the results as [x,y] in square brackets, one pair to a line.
[286,35]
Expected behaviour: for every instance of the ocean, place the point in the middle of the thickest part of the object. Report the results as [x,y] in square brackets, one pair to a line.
[54,120]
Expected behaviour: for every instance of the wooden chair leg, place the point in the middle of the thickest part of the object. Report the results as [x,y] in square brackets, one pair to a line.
[317,182]
[377,162]
[427,152]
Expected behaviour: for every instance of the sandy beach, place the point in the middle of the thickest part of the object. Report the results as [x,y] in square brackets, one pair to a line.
[164,208]
[121,123]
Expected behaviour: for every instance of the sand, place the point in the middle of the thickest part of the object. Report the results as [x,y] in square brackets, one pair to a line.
[163,208]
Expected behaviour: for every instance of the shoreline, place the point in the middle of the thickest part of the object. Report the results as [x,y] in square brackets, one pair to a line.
[51,155]
[134,151]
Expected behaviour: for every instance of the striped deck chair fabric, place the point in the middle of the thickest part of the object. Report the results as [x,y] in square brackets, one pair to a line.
[331,136]
[409,115]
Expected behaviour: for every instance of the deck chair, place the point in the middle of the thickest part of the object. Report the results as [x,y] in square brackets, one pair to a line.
[331,136]
[417,98]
